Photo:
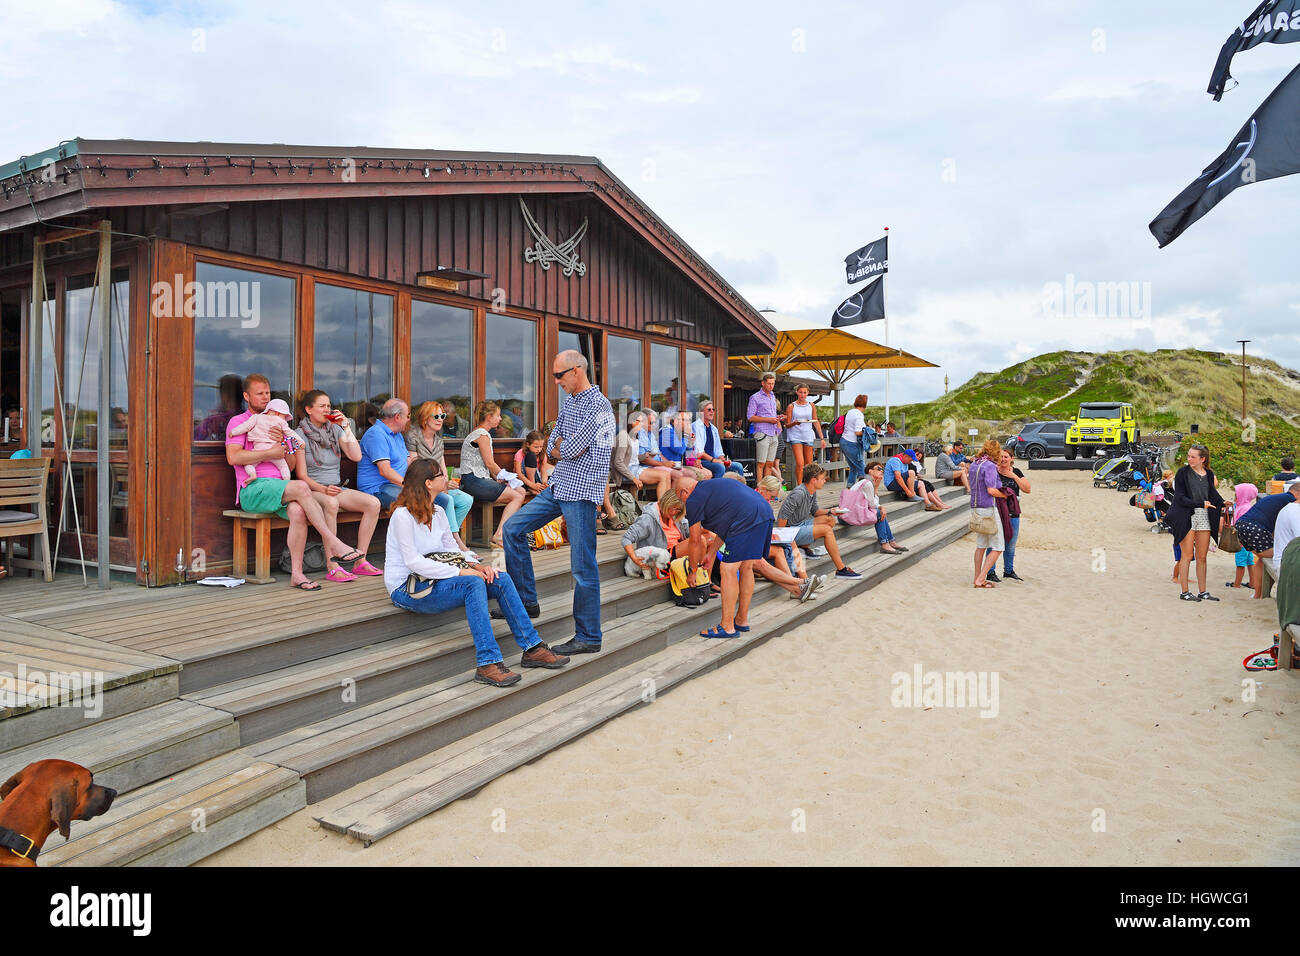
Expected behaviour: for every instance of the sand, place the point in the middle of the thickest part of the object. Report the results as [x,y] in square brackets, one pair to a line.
[1121,735]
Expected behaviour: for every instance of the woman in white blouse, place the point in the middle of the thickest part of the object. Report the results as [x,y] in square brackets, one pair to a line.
[454,578]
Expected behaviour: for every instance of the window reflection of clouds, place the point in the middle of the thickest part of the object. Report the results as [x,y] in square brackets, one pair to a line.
[623,378]
[441,366]
[353,347]
[510,368]
[224,346]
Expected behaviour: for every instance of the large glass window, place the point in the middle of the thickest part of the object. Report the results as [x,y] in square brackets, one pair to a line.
[354,351]
[81,346]
[243,323]
[442,348]
[664,391]
[579,342]
[699,378]
[510,367]
[623,375]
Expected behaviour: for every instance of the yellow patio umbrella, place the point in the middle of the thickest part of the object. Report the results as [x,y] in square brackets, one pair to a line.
[833,355]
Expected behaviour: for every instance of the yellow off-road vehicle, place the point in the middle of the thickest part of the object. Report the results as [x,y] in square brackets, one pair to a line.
[1105,425]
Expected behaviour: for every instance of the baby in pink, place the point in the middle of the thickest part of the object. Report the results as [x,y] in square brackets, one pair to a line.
[258,428]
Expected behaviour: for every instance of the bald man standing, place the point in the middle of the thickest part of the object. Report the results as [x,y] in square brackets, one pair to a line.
[582,445]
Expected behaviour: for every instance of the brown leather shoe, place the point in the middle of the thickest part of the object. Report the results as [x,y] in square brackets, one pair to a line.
[497,675]
[542,656]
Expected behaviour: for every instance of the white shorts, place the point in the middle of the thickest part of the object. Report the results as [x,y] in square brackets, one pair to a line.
[764,447]
[994,542]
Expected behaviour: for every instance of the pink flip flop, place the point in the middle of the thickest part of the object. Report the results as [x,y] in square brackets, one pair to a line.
[365,567]
[339,575]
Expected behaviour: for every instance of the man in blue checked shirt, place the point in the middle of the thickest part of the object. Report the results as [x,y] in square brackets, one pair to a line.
[581,445]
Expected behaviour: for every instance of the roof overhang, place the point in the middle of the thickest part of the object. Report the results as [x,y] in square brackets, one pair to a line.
[80,175]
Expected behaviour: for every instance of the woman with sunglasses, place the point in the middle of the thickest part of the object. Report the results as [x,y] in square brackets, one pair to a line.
[424,440]
[425,571]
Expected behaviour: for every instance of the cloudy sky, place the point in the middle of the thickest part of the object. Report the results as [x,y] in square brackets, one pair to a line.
[1007,146]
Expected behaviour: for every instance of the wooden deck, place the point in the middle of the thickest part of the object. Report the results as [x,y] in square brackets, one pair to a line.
[239,706]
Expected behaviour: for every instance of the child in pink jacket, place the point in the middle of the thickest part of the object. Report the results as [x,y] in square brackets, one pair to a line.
[258,428]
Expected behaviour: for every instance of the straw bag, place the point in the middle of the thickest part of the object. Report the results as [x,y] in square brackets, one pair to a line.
[549,536]
[1229,543]
[984,524]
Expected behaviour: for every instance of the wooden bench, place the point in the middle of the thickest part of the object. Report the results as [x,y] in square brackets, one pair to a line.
[262,525]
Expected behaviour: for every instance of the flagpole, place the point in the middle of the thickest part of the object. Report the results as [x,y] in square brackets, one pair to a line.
[884,302]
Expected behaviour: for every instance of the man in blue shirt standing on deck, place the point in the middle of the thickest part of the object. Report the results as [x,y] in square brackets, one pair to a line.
[582,445]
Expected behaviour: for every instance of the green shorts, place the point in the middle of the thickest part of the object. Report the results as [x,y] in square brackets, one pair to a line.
[264,496]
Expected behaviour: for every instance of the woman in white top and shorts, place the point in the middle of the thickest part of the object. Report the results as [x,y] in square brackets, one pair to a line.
[478,467]
[803,420]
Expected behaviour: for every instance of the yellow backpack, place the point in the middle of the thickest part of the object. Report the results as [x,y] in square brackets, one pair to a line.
[690,585]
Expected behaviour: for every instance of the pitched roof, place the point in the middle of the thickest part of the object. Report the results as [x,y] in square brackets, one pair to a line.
[82,174]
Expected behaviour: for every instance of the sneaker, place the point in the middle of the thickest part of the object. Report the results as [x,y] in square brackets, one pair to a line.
[539,655]
[575,646]
[805,590]
[847,573]
[817,552]
[819,582]
[1188,596]
[1206,596]
[993,576]
[1011,576]
[496,675]
[534,612]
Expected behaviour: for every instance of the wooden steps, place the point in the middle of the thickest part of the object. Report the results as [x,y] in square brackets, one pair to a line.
[380,807]
[135,749]
[56,681]
[277,701]
[180,820]
[369,739]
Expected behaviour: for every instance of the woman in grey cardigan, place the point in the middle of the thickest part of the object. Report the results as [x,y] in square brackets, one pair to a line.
[662,526]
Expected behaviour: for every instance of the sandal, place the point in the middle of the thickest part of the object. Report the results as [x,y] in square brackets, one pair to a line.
[340,576]
[986,584]
[365,567]
[600,529]
[717,631]
[308,586]
[351,557]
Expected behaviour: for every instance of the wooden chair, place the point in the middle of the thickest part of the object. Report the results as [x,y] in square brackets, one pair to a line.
[24,483]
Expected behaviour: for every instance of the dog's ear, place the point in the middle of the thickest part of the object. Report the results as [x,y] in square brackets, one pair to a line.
[8,786]
[63,806]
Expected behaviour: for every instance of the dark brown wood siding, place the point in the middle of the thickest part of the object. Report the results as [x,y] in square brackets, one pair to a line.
[627,283]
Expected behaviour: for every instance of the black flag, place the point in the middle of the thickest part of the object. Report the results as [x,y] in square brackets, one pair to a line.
[1274,21]
[870,260]
[865,305]
[1267,147]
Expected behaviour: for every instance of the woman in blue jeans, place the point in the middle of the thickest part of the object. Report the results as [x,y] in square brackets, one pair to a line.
[1014,484]
[452,578]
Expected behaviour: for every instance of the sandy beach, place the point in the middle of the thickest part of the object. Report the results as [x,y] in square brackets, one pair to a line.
[1121,736]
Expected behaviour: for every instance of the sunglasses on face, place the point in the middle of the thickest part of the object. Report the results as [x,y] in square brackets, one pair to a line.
[560,375]
[438,417]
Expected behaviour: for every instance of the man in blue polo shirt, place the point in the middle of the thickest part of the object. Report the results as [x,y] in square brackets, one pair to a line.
[384,453]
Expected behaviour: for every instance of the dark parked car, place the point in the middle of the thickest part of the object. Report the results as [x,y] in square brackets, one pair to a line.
[1040,439]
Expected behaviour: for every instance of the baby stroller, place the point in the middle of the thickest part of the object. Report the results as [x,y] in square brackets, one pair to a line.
[1144,471]
[1107,472]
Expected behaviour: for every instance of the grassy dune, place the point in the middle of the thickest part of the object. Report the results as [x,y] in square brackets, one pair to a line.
[1169,389]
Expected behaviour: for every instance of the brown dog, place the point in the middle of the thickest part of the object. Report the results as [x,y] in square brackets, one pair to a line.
[42,797]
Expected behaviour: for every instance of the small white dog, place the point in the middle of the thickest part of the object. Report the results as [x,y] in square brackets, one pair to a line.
[657,558]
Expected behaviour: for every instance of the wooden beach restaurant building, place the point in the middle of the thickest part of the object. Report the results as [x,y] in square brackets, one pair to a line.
[141,281]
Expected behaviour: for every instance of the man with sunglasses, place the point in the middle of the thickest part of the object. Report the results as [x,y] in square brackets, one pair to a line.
[582,445]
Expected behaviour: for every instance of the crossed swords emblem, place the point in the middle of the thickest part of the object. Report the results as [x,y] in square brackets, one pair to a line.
[546,251]
[863,260]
